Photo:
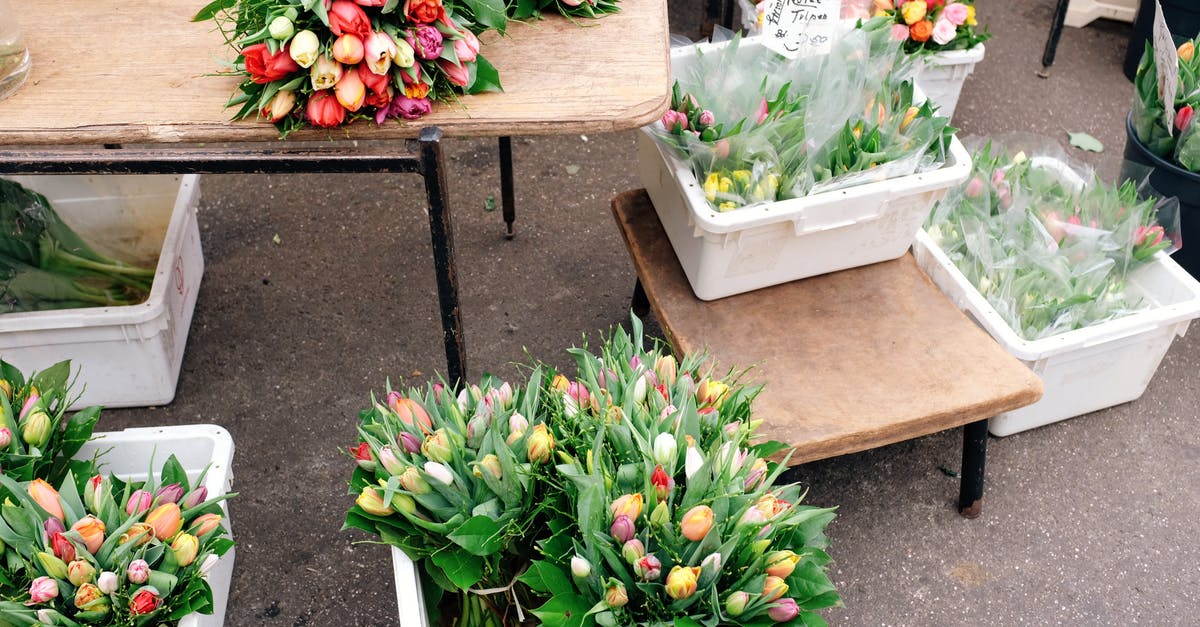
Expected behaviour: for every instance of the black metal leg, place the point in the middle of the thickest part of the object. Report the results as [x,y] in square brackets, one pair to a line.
[507,198]
[640,304]
[970,493]
[441,234]
[1056,26]
[712,17]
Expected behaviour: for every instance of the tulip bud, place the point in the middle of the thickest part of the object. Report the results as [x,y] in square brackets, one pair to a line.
[648,568]
[42,590]
[666,368]
[711,565]
[661,515]
[325,73]
[350,91]
[560,383]
[5,437]
[784,610]
[774,588]
[665,449]
[782,563]
[439,472]
[46,497]
[52,526]
[138,571]
[758,473]
[138,502]
[62,547]
[348,49]
[6,388]
[629,505]
[623,529]
[144,601]
[687,385]
[195,497]
[760,546]
[95,492]
[736,603]
[305,48]
[280,106]
[389,461]
[410,411]
[107,582]
[185,546]
[663,484]
[681,581]
[517,423]
[580,567]
[140,533]
[169,494]
[615,595]
[86,594]
[209,563]
[35,430]
[91,530]
[540,444]
[696,522]
[405,56]
[80,572]
[281,28]
[166,519]
[633,550]
[204,524]
[52,565]
[692,461]
[412,481]
[909,116]
[410,442]
[491,463]
[437,446]
[372,503]
[1186,51]
[403,503]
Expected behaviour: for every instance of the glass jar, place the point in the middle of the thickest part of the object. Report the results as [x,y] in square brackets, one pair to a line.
[14,56]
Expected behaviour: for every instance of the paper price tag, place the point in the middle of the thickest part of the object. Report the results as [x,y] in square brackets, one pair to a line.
[1166,60]
[797,28]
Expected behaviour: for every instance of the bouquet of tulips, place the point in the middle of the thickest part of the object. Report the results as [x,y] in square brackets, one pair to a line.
[931,25]
[1181,142]
[37,439]
[1047,244]
[757,127]
[454,480]
[106,551]
[667,502]
[312,62]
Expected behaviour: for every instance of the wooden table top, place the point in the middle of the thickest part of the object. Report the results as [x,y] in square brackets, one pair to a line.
[851,360]
[108,72]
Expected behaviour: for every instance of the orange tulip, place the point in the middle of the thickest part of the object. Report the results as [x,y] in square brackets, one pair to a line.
[47,497]
[166,520]
[91,529]
[774,588]
[411,412]
[696,522]
[629,505]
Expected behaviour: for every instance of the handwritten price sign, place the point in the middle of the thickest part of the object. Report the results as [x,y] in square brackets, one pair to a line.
[798,28]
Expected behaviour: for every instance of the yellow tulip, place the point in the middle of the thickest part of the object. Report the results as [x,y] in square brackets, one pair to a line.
[681,581]
[630,505]
[913,11]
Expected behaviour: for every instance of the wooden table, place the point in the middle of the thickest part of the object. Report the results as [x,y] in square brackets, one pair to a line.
[127,88]
[851,360]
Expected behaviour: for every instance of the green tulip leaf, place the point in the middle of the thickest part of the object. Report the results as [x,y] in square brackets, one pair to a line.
[480,535]
[483,76]
[462,569]
[1083,141]
[546,578]
[564,610]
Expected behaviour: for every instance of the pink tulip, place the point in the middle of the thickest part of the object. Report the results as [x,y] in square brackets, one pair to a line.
[956,13]
[467,48]
[674,121]
[974,187]
[785,610]
[762,111]
[378,50]
[457,73]
[899,32]
[622,529]
[42,590]
[138,502]
[138,571]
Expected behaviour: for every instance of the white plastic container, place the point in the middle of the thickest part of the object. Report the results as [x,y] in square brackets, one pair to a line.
[942,75]
[125,356]
[1086,369]
[409,598]
[728,253]
[1080,13]
[128,455]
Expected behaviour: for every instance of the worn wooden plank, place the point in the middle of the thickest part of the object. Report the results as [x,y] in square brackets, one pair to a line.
[121,72]
[851,360]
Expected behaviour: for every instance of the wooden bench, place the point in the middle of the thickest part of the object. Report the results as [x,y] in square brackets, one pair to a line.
[851,360]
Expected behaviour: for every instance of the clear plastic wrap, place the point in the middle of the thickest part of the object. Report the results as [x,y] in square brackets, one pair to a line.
[1047,243]
[758,127]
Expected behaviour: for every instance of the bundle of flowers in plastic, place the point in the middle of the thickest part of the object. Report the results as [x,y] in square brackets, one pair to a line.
[1048,244]
[1181,141]
[758,127]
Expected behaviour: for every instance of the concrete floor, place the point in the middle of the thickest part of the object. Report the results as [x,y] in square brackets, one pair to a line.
[1089,521]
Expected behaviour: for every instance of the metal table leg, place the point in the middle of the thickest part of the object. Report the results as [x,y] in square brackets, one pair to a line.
[507,199]
[441,235]
[1056,26]
[640,303]
[970,493]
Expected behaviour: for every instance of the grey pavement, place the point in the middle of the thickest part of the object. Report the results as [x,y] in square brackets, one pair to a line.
[1088,521]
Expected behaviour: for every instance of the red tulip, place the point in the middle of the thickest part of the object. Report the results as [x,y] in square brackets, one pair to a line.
[62,547]
[1183,117]
[265,67]
[347,17]
[323,109]
[144,602]
[376,83]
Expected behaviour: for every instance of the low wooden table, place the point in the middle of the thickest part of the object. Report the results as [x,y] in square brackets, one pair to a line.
[851,360]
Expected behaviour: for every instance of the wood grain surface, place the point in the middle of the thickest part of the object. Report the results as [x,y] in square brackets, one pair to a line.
[850,360]
[139,72]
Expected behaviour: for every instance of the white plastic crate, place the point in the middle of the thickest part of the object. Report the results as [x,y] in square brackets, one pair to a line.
[942,75]
[1086,369]
[128,454]
[737,251]
[126,356]
[409,598]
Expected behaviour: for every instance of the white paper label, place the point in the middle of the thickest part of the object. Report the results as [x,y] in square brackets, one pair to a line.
[1166,59]
[797,28]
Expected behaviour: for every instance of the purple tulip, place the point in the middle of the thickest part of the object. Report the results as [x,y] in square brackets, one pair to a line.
[195,497]
[169,493]
[410,442]
[426,42]
[623,529]
[784,610]
[54,525]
